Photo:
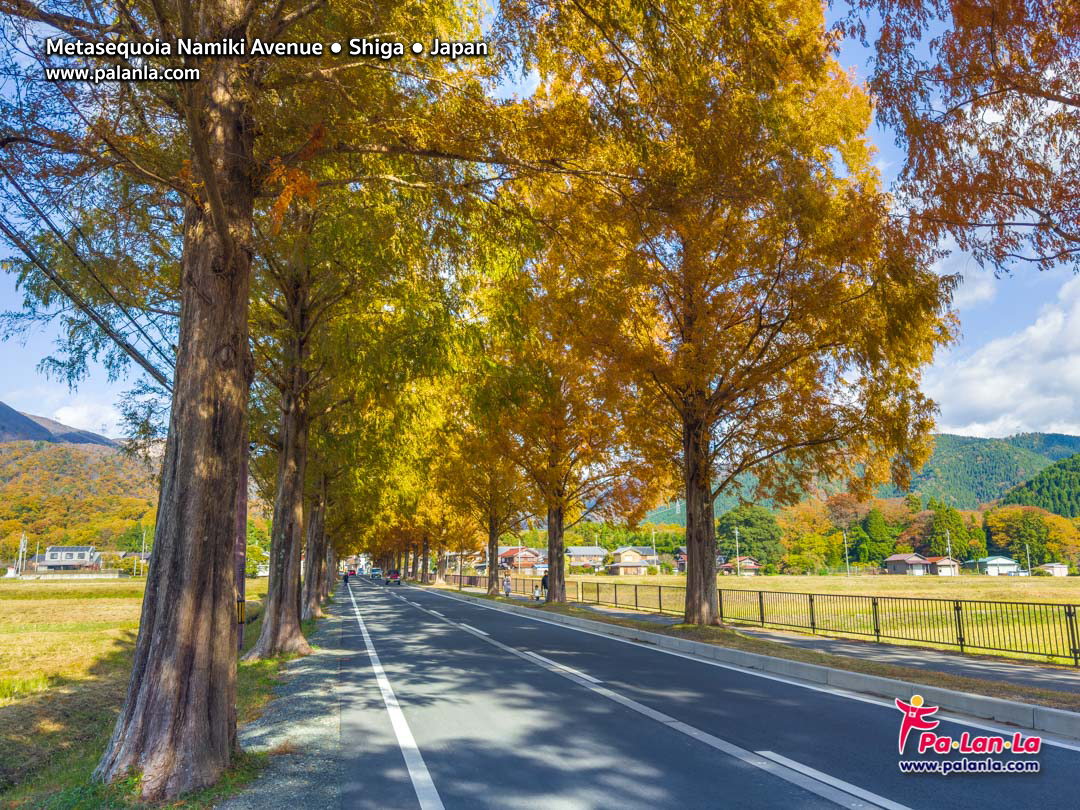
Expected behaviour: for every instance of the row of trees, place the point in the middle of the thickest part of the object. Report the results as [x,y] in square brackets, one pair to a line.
[423,314]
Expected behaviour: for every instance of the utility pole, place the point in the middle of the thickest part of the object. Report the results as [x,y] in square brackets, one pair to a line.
[1027,550]
[655,558]
[142,555]
[460,552]
[948,543]
[847,557]
[738,562]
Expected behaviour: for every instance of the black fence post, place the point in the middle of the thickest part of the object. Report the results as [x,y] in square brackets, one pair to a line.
[813,622]
[877,623]
[635,598]
[958,612]
[761,606]
[1074,642]
[720,602]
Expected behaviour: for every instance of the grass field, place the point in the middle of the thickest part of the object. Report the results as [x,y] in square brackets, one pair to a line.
[65,656]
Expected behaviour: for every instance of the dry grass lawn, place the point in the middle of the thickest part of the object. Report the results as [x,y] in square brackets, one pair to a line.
[65,657]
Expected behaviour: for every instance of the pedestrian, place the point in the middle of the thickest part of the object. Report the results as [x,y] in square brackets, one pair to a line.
[536,592]
[544,584]
[346,578]
[506,585]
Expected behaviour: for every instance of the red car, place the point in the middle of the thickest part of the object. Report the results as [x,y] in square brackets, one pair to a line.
[352,572]
[392,578]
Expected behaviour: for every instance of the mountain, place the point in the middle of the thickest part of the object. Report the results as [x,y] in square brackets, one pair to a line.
[1056,489]
[16,426]
[963,471]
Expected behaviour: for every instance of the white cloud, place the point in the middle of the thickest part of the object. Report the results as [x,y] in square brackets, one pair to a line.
[97,417]
[1025,381]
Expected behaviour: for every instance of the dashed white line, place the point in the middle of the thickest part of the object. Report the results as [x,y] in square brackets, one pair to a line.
[426,793]
[881,801]
[474,629]
[557,665]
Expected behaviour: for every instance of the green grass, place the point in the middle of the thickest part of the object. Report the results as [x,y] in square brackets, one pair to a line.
[65,659]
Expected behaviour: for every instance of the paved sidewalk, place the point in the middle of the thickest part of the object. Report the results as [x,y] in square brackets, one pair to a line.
[984,667]
[301,728]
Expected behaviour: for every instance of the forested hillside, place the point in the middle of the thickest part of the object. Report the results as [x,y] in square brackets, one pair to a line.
[1056,489]
[72,494]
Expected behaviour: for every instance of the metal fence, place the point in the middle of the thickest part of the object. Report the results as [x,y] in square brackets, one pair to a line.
[1024,628]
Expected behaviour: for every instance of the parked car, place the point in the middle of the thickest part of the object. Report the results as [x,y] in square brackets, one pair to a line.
[376,573]
[393,578]
[352,572]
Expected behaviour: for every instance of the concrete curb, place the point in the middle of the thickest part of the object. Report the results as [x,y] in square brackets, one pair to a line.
[1022,715]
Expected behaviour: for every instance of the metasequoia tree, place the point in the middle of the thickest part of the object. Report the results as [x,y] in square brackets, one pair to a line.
[560,414]
[247,130]
[744,273]
[983,93]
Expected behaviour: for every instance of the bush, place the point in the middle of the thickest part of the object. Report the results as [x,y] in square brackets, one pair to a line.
[651,570]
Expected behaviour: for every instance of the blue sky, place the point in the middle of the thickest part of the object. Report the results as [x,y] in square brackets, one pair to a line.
[1011,371]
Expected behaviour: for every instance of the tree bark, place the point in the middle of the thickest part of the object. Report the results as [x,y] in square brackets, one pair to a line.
[330,576]
[427,557]
[701,594]
[440,568]
[281,631]
[556,555]
[492,553]
[315,555]
[177,727]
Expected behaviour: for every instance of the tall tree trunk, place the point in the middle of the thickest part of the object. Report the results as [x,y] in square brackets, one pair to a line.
[177,727]
[701,594]
[315,555]
[492,552]
[427,558]
[281,613]
[556,555]
[329,579]
[440,568]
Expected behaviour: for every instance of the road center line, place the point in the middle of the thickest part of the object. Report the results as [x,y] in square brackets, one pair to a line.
[834,790]
[952,717]
[426,793]
[832,780]
[475,630]
[571,670]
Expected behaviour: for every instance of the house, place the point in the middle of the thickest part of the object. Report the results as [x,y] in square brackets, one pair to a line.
[944,566]
[634,553]
[1055,569]
[680,559]
[629,561]
[997,566]
[70,558]
[586,555]
[743,566]
[518,557]
[907,563]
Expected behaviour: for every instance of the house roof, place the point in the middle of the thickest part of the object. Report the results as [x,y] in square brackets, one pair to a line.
[997,557]
[1053,565]
[907,557]
[586,551]
[639,564]
[943,559]
[514,551]
[69,548]
[741,562]
[639,549]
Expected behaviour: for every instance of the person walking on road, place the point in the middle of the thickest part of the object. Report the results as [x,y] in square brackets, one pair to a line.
[506,585]
[544,584]
[346,578]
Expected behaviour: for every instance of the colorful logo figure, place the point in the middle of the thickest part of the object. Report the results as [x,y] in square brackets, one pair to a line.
[915,716]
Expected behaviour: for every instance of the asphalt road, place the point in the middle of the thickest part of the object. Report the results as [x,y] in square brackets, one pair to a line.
[466,706]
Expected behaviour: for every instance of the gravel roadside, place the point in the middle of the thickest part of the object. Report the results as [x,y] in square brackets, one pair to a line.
[301,728]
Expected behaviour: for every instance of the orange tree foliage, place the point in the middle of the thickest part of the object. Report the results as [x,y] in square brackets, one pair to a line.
[745,273]
[984,94]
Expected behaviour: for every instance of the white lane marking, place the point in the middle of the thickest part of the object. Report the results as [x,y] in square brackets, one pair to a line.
[832,780]
[952,717]
[436,613]
[827,791]
[474,629]
[426,793]
[556,664]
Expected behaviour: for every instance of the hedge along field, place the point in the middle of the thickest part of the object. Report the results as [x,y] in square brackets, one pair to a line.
[65,656]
